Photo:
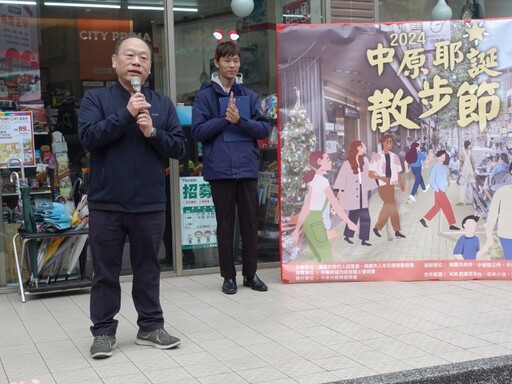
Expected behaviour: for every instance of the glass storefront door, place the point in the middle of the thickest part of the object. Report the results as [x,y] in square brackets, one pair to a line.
[51,53]
[194,48]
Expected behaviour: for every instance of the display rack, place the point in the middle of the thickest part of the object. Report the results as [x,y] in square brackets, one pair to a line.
[40,286]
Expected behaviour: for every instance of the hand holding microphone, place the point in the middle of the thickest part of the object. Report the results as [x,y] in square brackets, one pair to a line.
[137,103]
[139,108]
[135,81]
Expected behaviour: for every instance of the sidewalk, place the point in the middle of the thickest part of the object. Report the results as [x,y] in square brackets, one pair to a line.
[295,333]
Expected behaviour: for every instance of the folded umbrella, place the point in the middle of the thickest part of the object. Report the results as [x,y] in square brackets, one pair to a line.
[52,248]
[77,248]
[29,226]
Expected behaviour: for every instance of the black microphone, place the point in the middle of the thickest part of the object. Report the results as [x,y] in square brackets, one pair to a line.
[135,81]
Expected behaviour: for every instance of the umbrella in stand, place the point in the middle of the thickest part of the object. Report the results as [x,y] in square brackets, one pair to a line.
[50,251]
[29,222]
[54,262]
[77,249]
[29,226]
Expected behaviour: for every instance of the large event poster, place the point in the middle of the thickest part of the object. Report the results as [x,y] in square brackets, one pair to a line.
[20,79]
[395,151]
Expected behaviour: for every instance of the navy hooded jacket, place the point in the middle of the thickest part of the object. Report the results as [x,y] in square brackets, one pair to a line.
[127,169]
[227,159]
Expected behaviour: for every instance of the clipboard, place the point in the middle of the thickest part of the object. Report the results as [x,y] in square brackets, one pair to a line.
[232,132]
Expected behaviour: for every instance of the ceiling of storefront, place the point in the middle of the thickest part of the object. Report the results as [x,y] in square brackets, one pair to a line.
[205,8]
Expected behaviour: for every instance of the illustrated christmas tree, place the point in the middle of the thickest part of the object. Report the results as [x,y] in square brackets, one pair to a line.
[448,116]
[298,140]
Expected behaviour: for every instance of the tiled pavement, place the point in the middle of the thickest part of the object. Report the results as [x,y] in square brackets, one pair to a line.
[294,333]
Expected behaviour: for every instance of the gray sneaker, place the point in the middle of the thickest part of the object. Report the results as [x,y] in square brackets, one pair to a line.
[102,346]
[158,338]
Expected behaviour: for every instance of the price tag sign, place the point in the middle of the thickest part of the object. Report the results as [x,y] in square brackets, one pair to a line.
[16,138]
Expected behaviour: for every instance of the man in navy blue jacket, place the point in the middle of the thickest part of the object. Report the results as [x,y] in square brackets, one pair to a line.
[227,119]
[130,134]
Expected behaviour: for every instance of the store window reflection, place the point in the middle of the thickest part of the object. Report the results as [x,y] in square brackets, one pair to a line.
[195,45]
[49,57]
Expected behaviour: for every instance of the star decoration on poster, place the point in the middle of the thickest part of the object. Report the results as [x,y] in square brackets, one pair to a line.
[476,32]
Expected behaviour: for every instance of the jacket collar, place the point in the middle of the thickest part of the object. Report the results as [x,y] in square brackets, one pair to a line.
[216,80]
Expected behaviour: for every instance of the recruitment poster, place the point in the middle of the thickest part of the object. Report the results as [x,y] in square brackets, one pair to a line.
[198,223]
[396,143]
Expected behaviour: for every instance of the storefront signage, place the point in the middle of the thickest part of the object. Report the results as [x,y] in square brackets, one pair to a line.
[16,138]
[297,12]
[96,40]
[350,112]
[198,223]
[110,35]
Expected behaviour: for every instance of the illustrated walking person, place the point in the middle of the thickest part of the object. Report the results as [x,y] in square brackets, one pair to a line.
[353,184]
[439,181]
[467,174]
[385,167]
[227,119]
[501,166]
[318,198]
[499,219]
[416,159]
[130,133]
[454,168]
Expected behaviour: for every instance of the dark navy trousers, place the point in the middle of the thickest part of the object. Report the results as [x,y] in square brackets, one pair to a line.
[107,235]
[228,196]
[363,216]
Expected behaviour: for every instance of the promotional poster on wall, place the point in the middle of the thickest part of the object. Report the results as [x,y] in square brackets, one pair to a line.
[20,79]
[16,139]
[418,184]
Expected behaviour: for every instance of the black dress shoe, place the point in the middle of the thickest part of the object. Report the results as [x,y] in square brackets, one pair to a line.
[255,283]
[399,234]
[229,286]
[376,231]
[347,239]
[364,242]
[454,228]
[423,222]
